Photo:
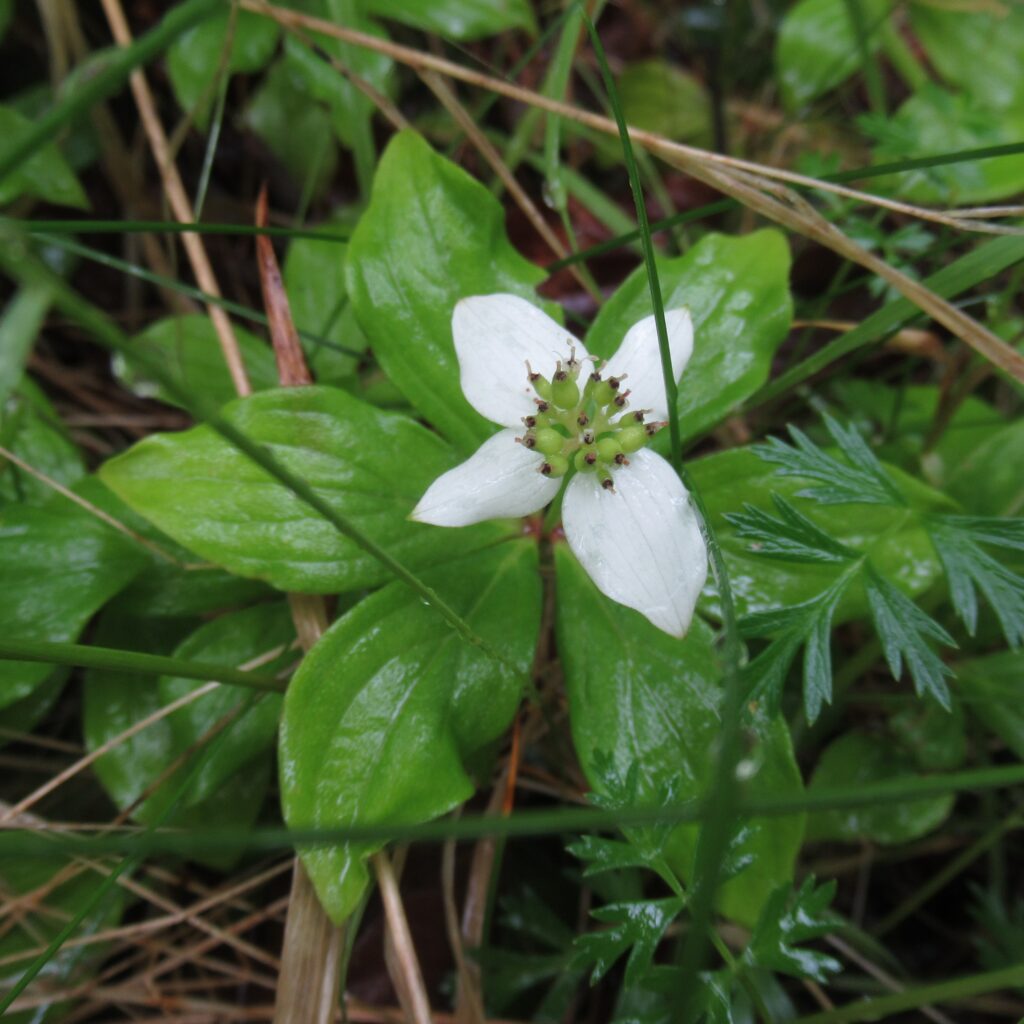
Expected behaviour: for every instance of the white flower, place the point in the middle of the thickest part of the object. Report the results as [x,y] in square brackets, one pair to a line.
[626,515]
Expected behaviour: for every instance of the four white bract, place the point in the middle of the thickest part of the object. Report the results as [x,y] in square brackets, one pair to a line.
[626,515]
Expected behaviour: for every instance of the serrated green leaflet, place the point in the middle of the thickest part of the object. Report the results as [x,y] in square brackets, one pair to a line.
[737,290]
[45,175]
[430,236]
[388,711]
[642,696]
[371,466]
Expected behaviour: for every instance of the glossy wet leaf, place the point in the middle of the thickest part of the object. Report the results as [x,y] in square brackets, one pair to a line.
[235,41]
[264,633]
[31,428]
[390,711]
[789,919]
[59,565]
[44,175]
[644,698]
[737,290]
[992,689]
[188,349]
[893,538]
[430,236]
[372,466]
[935,121]
[299,133]
[114,702]
[457,19]
[314,278]
[979,50]
[859,759]
[659,97]
[817,46]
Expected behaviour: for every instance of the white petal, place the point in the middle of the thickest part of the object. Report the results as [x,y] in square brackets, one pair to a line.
[640,358]
[641,543]
[495,336]
[501,478]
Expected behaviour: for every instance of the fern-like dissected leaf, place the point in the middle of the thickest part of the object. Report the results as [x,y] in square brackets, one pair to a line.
[904,631]
[860,480]
[791,537]
[789,919]
[969,569]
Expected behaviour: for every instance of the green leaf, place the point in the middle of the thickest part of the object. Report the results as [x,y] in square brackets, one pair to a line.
[188,348]
[891,537]
[817,46]
[298,132]
[934,121]
[45,175]
[372,465]
[19,327]
[314,278]
[38,920]
[737,291]
[904,631]
[59,566]
[980,51]
[789,918]
[24,715]
[430,236]
[936,738]
[790,537]
[457,19]
[114,702]
[603,855]
[389,711]
[858,759]
[658,97]
[859,480]
[198,54]
[992,688]
[31,428]
[636,926]
[264,633]
[651,700]
[809,624]
[988,481]
[969,568]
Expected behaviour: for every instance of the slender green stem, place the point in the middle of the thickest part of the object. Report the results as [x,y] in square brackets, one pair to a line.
[165,227]
[872,75]
[119,64]
[26,843]
[943,992]
[113,660]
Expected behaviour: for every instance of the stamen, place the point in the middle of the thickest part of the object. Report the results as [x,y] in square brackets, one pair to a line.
[583,419]
[608,484]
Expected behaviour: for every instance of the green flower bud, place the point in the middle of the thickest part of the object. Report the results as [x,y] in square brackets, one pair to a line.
[548,441]
[555,465]
[565,393]
[586,460]
[632,438]
[608,448]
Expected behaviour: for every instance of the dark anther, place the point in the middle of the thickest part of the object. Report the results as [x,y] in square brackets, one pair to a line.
[588,437]
[596,377]
[529,442]
[621,460]
[639,415]
[608,485]
[561,375]
[614,382]
[533,377]
[590,458]
[546,468]
[583,419]
[530,421]
[542,406]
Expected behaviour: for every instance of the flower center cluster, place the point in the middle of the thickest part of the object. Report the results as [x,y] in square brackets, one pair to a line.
[588,427]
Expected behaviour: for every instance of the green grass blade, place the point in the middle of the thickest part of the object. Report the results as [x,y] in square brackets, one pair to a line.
[112,660]
[119,65]
[165,227]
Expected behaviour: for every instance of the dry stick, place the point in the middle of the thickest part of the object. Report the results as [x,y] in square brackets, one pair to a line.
[179,201]
[740,179]
[311,954]
[410,982]
[487,150]
[88,506]
[422,61]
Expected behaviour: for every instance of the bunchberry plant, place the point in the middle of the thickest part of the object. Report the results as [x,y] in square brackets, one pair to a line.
[626,515]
